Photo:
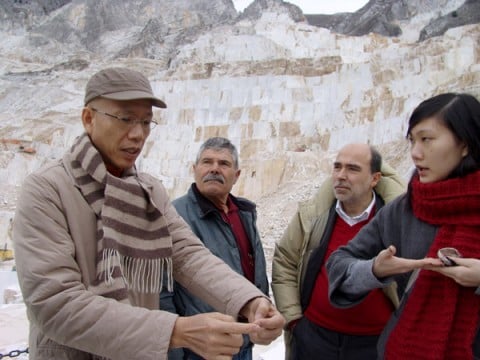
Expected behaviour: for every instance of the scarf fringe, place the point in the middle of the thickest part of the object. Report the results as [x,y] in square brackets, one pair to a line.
[142,275]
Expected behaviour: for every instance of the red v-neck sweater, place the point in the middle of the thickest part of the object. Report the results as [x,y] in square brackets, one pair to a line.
[367,318]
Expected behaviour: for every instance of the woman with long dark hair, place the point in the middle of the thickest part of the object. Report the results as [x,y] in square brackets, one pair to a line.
[427,240]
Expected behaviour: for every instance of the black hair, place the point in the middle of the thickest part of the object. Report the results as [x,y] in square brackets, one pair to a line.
[376,160]
[461,114]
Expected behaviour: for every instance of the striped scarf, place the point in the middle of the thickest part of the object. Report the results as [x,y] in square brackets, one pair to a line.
[440,318]
[134,246]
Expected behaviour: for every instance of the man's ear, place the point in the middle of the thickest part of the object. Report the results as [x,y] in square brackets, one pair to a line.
[87,119]
[237,175]
[376,178]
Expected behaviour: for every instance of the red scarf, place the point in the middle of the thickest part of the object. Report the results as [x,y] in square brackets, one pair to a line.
[440,318]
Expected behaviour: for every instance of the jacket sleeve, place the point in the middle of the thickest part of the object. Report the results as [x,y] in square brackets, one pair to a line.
[285,271]
[349,268]
[289,255]
[58,302]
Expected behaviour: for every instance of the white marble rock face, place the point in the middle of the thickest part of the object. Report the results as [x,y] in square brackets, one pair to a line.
[288,94]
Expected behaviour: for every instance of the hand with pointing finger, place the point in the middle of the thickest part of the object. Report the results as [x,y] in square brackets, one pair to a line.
[211,335]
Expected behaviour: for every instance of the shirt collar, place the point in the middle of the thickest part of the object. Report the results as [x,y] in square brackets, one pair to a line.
[352,220]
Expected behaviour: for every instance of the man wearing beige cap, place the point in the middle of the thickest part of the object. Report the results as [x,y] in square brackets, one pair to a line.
[94,239]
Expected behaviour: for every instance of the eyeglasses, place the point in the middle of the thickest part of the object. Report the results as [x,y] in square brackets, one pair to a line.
[128,122]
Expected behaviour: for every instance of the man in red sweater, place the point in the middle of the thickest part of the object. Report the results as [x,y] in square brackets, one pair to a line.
[315,329]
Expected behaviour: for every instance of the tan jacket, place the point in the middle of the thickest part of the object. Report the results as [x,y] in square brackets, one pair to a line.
[293,250]
[55,249]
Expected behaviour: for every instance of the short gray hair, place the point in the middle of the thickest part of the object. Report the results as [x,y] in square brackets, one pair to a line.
[219,143]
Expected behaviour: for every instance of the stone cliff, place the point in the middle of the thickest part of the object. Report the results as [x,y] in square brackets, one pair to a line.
[288,93]
[382,17]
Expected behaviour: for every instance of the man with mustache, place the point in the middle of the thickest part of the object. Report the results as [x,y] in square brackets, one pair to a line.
[314,328]
[226,224]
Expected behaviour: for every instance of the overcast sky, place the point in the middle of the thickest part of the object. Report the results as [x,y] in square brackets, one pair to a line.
[315,6]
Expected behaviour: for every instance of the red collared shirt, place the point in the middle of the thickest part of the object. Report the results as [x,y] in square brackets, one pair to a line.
[232,218]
